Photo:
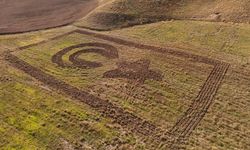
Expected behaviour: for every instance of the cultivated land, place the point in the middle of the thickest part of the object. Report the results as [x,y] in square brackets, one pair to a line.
[19,16]
[167,85]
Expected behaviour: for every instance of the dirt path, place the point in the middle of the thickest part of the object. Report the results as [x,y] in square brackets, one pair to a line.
[19,16]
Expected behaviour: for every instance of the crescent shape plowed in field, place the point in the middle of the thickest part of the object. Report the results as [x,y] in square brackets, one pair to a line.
[103,49]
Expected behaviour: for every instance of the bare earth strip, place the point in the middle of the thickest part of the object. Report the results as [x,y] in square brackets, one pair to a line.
[173,138]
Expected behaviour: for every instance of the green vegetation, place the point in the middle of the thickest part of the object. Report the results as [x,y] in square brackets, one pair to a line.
[226,125]
[212,37]
[154,101]
[34,118]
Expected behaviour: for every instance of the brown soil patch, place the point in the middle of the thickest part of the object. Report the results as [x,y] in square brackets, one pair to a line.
[100,48]
[21,16]
[4,79]
[137,71]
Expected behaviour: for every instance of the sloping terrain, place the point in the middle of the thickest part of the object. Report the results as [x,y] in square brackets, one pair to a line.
[56,69]
[123,13]
[226,125]
[29,15]
[179,84]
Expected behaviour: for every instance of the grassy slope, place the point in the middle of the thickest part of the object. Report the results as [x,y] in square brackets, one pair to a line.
[226,125]
[34,117]
[225,38]
[49,120]
[122,13]
[171,107]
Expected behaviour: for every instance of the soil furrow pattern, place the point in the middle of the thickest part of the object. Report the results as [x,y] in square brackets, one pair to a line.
[119,115]
[173,138]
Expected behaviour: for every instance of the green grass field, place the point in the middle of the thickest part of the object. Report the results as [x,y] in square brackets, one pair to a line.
[226,125]
[34,116]
[179,87]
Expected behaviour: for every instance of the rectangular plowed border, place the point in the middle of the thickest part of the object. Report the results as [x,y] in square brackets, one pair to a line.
[184,126]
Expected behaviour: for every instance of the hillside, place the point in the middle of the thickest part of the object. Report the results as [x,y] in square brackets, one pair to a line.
[123,13]
[164,75]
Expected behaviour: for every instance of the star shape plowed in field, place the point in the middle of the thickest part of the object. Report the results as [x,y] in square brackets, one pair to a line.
[138,71]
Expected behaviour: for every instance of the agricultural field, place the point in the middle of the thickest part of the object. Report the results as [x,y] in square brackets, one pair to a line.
[173,84]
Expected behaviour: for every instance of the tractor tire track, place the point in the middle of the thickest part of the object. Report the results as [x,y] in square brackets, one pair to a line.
[196,112]
[196,102]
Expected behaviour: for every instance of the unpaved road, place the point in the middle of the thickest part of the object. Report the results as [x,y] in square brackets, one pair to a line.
[29,15]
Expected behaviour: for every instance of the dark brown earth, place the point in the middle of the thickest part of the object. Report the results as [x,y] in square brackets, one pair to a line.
[29,15]
[101,48]
[137,71]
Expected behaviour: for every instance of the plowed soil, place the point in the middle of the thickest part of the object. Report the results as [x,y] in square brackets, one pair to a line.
[101,48]
[21,16]
[173,138]
[137,71]
[120,116]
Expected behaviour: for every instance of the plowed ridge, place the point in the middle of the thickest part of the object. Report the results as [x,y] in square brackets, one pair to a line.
[183,127]
[101,48]
[119,115]
[197,110]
